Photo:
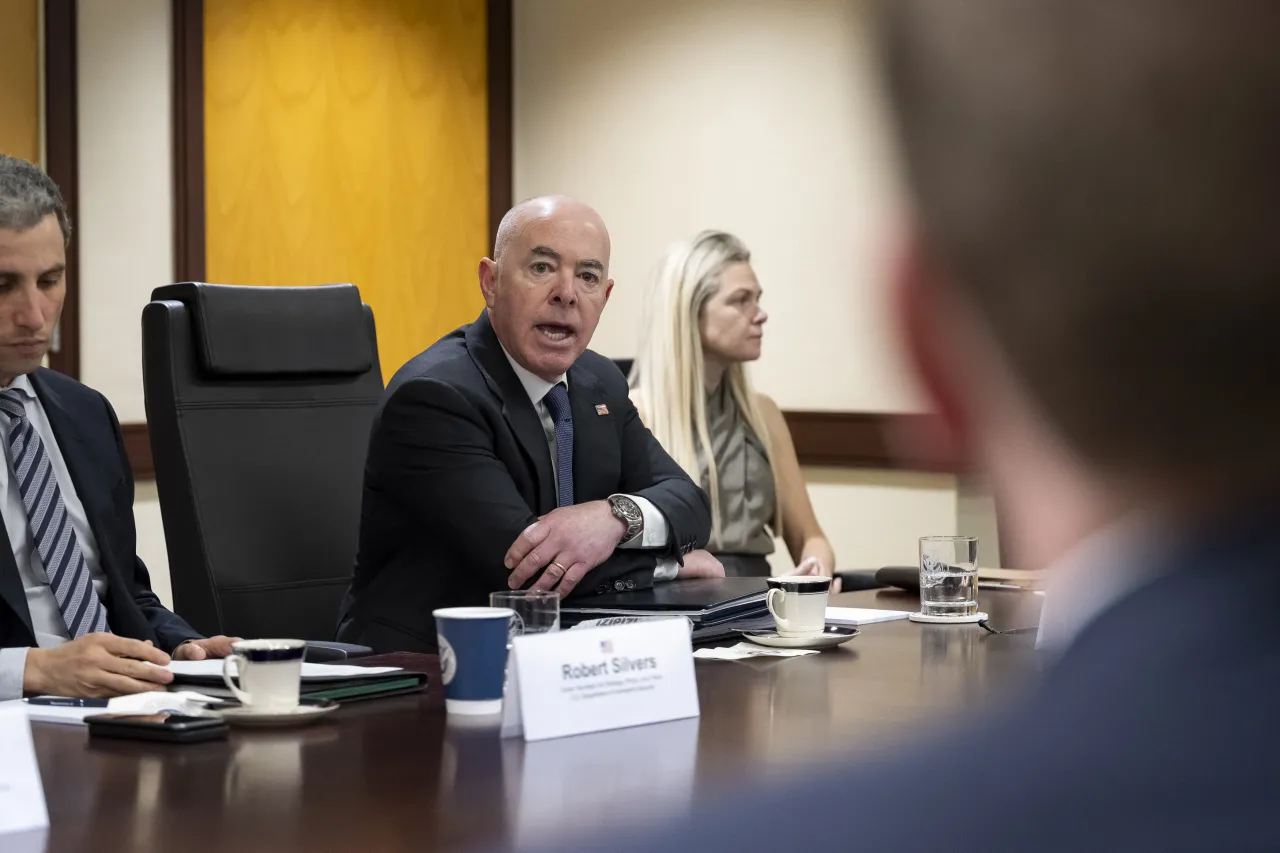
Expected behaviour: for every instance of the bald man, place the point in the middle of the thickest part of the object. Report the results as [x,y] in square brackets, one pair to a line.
[508,455]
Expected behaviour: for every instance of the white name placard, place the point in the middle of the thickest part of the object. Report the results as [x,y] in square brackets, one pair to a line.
[592,679]
[21,793]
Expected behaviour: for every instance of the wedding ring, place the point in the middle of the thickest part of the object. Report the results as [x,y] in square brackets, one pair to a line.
[558,566]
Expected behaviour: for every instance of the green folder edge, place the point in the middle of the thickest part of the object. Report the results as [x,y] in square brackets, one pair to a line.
[374,688]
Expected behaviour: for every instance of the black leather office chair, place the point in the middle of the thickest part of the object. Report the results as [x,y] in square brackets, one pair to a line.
[259,403]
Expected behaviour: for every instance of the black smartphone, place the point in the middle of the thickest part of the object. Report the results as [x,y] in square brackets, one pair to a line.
[164,727]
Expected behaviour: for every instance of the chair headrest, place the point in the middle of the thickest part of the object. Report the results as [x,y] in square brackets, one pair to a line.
[245,331]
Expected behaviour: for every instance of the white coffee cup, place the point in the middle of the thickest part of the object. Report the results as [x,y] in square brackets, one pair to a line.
[270,673]
[798,604]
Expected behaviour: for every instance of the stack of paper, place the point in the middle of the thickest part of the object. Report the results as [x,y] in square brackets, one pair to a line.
[199,670]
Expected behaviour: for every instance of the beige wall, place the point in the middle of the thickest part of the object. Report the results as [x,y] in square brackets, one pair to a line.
[874,518]
[762,118]
[125,231]
[755,116]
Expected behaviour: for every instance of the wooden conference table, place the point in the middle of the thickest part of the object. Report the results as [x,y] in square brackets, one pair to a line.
[397,774]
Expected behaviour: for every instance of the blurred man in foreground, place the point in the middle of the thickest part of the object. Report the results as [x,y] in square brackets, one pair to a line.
[77,614]
[1089,293]
[508,454]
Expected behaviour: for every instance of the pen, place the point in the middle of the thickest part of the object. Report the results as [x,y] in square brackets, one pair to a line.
[67,702]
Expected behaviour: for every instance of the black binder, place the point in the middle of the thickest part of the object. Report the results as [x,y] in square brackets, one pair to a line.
[342,690]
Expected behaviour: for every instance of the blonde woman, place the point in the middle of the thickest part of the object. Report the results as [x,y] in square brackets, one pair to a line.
[690,384]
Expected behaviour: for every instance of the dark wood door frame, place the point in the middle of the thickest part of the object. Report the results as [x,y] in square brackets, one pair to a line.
[62,157]
[188,141]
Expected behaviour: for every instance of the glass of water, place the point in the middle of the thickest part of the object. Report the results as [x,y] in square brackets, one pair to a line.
[537,611]
[948,576]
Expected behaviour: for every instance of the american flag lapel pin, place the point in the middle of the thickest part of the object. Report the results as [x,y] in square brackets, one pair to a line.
[602,409]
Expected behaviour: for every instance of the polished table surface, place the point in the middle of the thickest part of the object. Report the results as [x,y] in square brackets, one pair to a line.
[397,774]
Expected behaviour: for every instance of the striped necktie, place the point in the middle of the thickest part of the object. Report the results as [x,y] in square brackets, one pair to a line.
[557,402]
[50,525]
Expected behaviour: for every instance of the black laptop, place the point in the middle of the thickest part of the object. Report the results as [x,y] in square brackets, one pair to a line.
[704,601]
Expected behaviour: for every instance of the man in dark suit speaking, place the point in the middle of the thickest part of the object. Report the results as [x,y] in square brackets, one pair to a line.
[508,452]
[77,614]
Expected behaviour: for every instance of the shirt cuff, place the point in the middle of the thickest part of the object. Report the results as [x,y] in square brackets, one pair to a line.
[666,570]
[655,533]
[13,664]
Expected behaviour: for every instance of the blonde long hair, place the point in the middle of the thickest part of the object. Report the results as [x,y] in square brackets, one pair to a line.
[668,370]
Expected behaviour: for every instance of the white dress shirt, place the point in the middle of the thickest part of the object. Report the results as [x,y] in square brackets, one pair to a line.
[1097,573]
[655,533]
[46,619]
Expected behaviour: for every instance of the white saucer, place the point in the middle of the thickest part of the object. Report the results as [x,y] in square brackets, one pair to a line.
[833,635]
[240,715]
[972,619]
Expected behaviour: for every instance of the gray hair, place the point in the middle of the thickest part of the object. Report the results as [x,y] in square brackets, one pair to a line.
[28,195]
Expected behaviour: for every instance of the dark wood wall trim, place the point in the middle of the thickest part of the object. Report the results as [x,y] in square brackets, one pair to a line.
[863,440]
[499,60]
[188,140]
[137,446]
[62,162]
[866,440]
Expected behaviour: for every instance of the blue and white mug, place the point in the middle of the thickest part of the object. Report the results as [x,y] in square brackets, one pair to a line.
[473,657]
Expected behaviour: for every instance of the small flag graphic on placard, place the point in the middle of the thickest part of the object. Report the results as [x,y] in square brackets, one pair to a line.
[606,646]
[602,409]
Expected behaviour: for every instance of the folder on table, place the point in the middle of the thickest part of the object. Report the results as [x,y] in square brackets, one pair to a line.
[339,682]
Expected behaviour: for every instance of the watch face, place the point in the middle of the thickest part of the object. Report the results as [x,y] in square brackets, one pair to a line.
[629,511]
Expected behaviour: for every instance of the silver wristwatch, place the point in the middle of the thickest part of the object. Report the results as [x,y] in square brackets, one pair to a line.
[629,511]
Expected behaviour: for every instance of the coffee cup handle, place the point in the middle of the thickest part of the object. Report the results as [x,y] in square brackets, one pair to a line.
[240,660]
[768,602]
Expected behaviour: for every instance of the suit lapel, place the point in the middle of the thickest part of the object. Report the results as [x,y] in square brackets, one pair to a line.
[11,586]
[89,476]
[87,472]
[516,408]
[594,437]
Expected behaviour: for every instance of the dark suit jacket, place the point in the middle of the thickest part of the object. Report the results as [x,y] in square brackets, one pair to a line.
[88,435]
[1155,730]
[458,466]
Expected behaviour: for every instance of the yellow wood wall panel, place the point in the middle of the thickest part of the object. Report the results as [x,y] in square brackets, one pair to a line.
[20,79]
[346,140]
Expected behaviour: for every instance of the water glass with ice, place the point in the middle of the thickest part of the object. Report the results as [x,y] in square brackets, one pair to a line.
[948,575]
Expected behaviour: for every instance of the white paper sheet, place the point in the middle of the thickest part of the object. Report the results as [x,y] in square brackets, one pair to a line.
[743,651]
[853,616]
[310,671]
[22,806]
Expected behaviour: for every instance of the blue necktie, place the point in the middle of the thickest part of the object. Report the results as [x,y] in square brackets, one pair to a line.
[557,403]
[50,525]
